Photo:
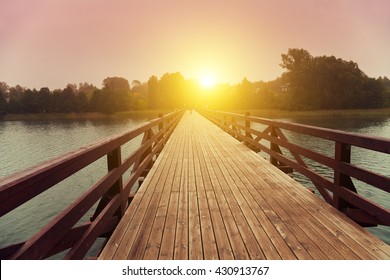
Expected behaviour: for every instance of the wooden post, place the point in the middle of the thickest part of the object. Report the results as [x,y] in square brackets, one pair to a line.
[248,124]
[161,125]
[342,154]
[114,160]
[233,127]
[160,128]
[274,147]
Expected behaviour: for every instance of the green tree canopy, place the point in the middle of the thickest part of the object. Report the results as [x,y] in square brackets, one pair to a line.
[327,82]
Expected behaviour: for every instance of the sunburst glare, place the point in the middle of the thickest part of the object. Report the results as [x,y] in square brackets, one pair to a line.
[207,80]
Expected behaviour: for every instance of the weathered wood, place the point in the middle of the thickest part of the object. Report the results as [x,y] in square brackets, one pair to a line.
[342,154]
[21,187]
[367,213]
[114,160]
[112,193]
[209,196]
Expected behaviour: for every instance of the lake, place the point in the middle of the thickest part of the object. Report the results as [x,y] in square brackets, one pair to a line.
[26,143]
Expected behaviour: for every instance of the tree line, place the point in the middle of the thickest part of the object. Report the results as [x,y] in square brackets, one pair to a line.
[308,83]
[327,82]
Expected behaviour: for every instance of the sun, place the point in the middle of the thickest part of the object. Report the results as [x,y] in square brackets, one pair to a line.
[207,80]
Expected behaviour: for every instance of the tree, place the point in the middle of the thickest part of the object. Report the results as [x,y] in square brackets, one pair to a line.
[96,103]
[82,102]
[3,104]
[327,82]
[4,88]
[152,91]
[298,64]
[87,89]
[67,100]
[135,84]
[3,101]
[245,94]
[116,84]
[296,60]
[44,97]
[116,95]
[386,90]
[172,89]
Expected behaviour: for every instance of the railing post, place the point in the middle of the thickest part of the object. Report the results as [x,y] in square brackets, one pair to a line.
[274,147]
[247,124]
[342,154]
[247,127]
[233,127]
[161,127]
[114,160]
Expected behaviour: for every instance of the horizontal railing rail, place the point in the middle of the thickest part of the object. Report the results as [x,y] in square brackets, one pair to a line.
[112,194]
[339,191]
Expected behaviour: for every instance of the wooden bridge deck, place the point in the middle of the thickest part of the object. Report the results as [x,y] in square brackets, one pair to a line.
[208,196]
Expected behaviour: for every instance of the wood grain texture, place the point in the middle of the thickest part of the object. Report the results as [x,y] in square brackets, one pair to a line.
[209,196]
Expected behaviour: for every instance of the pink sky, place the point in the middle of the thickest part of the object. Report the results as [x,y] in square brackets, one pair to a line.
[56,42]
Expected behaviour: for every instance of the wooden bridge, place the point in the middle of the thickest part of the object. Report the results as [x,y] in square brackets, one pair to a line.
[209,196]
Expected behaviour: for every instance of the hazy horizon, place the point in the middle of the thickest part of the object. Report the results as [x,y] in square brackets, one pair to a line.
[53,43]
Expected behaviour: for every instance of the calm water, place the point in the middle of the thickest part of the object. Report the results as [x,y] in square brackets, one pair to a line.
[26,143]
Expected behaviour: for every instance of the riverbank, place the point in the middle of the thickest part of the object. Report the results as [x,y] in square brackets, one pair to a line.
[82,116]
[358,113]
[266,113]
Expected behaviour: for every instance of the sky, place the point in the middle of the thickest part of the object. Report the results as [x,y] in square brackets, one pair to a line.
[55,42]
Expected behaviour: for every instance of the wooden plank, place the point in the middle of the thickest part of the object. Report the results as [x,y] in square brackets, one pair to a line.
[237,185]
[237,244]
[254,173]
[327,220]
[303,196]
[252,195]
[153,247]
[211,197]
[300,222]
[195,238]
[163,228]
[181,239]
[208,238]
[221,237]
[255,238]
[125,233]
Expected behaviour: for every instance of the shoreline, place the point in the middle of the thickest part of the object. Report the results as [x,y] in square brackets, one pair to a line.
[81,116]
[350,113]
[265,113]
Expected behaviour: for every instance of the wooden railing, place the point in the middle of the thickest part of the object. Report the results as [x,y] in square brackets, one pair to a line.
[111,193]
[339,191]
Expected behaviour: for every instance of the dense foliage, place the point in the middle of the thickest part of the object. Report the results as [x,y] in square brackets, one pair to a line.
[328,83]
[309,83]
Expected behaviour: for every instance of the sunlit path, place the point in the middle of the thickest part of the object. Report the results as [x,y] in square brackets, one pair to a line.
[208,196]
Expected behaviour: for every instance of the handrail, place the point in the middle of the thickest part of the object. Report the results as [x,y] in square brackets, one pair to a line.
[339,192]
[111,192]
